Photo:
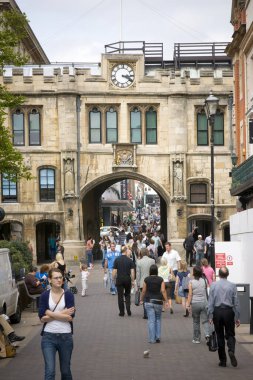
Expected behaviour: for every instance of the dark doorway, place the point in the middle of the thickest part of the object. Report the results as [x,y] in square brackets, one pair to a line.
[204,227]
[46,231]
[226,233]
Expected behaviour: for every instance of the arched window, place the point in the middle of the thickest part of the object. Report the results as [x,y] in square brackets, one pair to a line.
[151,126]
[47,185]
[111,126]
[95,125]
[18,131]
[198,193]
[135,125]
[34,127]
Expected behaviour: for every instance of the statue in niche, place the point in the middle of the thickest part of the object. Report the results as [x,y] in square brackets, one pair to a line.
[69,176]
[178,178]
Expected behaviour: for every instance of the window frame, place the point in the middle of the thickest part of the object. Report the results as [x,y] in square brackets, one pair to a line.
[47,199]
[216,131]
[21,112]
[100,125]
[198,193]
[8,199]
[108,110]
[29,126]
[151,129]
[135,110]
[206,132]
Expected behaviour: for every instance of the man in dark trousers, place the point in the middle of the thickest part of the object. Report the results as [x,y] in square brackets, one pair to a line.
[188,246]
[123,272]
[224,312]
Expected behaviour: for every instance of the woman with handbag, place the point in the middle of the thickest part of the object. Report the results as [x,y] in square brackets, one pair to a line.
[153,291]
[197,298]
[180,289]
[56,312]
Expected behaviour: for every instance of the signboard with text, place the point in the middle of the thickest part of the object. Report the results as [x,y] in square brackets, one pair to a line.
[229,254]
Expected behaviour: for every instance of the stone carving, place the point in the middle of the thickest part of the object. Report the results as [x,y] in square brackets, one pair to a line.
[124,157]
[178,178]
[69,176]
[27,162]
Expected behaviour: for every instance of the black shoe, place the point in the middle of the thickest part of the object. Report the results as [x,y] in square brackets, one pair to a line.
[15,338]
[171,311]
[145,317]
[232,358]
[121,315]
[129,313]
[186,313]
[222,364]
[158,341]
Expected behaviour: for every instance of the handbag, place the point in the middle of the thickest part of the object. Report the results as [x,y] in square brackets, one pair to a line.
[137,297]
[213,343]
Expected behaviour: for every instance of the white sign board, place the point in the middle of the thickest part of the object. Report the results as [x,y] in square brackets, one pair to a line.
[229,254]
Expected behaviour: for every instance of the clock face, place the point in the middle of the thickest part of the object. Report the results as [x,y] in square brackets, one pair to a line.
[122,75]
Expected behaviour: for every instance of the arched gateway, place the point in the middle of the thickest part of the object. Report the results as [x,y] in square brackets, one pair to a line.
[91,193]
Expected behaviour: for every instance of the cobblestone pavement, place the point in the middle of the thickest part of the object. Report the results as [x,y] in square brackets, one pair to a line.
[110,347]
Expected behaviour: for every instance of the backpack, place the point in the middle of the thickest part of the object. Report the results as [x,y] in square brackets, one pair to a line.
[185,282]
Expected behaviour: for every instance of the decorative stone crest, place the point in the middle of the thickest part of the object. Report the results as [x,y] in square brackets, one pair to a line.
[124,156]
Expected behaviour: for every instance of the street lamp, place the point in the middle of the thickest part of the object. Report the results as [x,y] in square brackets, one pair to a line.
[211,105]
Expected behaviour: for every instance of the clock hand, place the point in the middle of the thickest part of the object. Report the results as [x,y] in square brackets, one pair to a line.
[127,77]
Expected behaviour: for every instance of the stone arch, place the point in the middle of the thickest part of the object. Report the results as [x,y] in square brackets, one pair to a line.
[92,191]
[11,229]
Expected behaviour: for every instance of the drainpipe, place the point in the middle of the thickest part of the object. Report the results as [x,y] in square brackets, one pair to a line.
[78,143]
[230,108]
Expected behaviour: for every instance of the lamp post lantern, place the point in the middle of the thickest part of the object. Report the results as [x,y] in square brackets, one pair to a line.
[211,105]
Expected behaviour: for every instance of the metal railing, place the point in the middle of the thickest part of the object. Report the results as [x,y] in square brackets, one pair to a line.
[202,52]
[242,176]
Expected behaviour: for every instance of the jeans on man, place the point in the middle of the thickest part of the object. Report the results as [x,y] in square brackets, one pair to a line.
[189,257]
[50,344]
[113,289]
[154,313]
[223,319]
[199,313]
[199,257]
[124,290]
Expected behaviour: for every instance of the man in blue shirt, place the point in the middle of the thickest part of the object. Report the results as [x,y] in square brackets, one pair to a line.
[224,312]
[110,257]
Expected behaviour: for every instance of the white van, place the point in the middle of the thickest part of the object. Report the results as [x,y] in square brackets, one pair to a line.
[9,294]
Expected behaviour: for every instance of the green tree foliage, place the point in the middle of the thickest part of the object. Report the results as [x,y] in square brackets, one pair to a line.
[21,256]
[12,32]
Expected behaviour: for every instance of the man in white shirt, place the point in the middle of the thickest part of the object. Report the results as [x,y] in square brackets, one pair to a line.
[172,257]
[173,260]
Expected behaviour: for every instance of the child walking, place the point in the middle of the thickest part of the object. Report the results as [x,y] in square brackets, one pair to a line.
[85,274]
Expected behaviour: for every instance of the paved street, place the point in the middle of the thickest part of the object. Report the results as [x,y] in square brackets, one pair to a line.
[110,347]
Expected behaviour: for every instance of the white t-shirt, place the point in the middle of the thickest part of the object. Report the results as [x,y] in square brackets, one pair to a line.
[172,258]
[58,327]
[85,274]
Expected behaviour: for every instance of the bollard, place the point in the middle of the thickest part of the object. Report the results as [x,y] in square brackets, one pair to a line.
[251,316]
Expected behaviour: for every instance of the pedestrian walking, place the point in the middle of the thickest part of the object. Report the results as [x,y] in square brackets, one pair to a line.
[153,293]
[224,313]
[56,312]
[173,259]
[167,274]
[197,298]
[142,271]
[123,272]
[188,246]
[89,254]
[182,285]
[84,276]
[200,249]
[110,257]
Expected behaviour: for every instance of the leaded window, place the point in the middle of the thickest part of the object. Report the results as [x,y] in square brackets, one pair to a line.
[151,126]
[34,127]
[111,126]
[198,193]
[47,185]
[95,126]
[18,131]
[9,190]
[135,126]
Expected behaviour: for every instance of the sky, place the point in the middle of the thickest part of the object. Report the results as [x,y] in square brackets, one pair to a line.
[77,30]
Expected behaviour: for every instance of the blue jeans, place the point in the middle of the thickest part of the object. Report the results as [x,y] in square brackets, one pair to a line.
[50,344]
[112,283]
[154,313]
[199,257]
[89,257]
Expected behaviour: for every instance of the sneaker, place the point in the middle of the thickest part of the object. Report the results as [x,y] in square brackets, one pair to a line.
[222,364]
[113,293]
[158,340]
[171,311]
[232,358]
[195,341]
[15,338]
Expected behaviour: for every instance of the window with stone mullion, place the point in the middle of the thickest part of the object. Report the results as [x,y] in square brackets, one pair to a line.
[9,190]
[95,126]
[111,126]
[135,126]
[151,126]
[18,128]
